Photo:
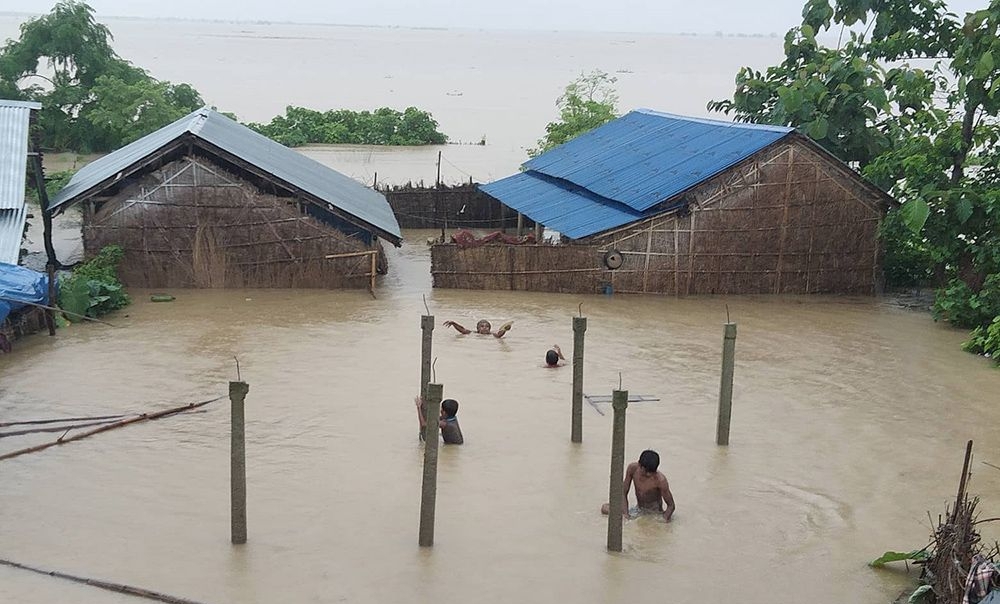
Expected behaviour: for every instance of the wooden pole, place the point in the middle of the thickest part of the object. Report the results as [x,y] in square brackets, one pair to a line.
[51,262]
[437,183]
[520,224]
[616,498]
[428,492]
[962,482]
[238,467]
[726,387]
[579,328]
[371,287]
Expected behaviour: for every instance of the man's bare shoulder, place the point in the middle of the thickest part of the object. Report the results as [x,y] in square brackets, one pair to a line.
[632,467]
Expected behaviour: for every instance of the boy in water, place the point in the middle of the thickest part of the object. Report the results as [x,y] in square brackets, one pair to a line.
[483,328]
[554,357]
[451,432]
[651,488]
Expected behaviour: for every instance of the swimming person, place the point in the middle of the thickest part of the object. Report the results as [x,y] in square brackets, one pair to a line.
[651,488]
[553,357]
[483,328]
[451,432]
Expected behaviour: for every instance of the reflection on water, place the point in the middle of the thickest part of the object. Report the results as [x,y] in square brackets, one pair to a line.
[838,448]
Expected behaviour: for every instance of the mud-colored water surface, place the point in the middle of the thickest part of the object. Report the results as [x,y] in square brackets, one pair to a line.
[849,423]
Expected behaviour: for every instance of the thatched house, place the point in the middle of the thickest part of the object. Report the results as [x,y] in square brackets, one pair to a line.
[207,202]
[660,203]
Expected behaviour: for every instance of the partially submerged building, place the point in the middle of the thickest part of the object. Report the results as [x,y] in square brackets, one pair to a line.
[207,202]
[15,125]
[660,203]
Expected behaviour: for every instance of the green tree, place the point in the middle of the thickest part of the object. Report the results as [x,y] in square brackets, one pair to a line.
[588,102]
[92,99]
[384,126]
[928,132]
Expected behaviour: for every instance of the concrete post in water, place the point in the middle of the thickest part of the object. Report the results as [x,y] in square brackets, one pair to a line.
[726,388]
[427,331]
[616,498]
[428,492]
[579,328]
[238,468]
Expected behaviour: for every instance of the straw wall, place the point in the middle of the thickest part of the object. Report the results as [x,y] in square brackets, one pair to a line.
[790,220]
[192,224]
[461,206]
[550,268]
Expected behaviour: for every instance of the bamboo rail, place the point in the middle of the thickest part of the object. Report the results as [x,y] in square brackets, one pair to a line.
[119,424]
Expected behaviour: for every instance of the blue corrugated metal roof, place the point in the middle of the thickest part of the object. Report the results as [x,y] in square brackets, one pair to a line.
[15,117]
[284,164]
[647,157]
[561,206]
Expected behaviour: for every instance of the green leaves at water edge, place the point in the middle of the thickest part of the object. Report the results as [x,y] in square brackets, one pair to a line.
[917,555]
[919,595]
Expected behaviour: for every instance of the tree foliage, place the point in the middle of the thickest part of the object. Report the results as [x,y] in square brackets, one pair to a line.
[911,97]
[384,126]
[92,99]
[588,102]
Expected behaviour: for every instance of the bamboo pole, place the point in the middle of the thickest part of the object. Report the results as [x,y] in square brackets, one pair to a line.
[116,587]
[374,267]
[576,428]
[428,491]
[238,464]
[726,387]
[105,428]
[616,498]
[63,428]
[965,477]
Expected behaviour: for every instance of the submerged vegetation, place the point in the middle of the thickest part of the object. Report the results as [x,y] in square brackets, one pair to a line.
[925,131]
[93,289]
[587,102]
[384,126]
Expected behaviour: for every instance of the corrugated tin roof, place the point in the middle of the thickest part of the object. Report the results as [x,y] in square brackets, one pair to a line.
[15,118]
[647,157]
[570,210]
[286,165]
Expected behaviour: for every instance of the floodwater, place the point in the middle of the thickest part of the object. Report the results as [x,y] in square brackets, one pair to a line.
[849,424]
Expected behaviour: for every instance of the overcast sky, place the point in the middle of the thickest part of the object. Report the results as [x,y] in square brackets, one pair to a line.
[671,16]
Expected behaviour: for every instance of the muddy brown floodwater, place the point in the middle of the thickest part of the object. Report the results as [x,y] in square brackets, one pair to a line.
[850,418]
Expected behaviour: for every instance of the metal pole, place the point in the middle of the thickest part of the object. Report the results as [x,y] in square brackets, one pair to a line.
[579,328]
[428,492]
[427,329]
[616,498]
[238,467]
[726,388]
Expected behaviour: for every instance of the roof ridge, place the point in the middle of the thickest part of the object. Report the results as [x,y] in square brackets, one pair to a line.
[198,119]
[713,122]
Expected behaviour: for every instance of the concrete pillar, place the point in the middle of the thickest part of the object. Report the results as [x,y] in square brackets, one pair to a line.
[616,498]
[726,387]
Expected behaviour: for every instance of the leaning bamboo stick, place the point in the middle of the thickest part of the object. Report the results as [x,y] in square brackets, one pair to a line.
[57,309]
[60,421]
[63,428]
[105,428]
[116,587]
[348,254]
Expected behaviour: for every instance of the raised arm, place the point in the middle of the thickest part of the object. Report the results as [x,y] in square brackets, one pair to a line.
[503,329]
[558,351]
[457,327]
[668,498]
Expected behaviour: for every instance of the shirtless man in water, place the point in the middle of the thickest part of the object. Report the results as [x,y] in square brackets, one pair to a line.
[651,488]
[483,328]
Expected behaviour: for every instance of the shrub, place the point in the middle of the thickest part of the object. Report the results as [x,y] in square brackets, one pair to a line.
[94,289]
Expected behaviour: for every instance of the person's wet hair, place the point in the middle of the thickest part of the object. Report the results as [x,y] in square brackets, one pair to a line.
[450,407]
[551,357]
[650,460]
[483,326]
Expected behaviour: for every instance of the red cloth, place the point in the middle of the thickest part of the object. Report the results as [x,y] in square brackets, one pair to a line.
[466,239]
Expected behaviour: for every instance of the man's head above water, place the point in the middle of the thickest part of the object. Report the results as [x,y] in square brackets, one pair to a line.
[649,460]
[483,326]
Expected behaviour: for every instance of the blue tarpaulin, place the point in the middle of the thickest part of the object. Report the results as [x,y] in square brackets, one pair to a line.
[18,286]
